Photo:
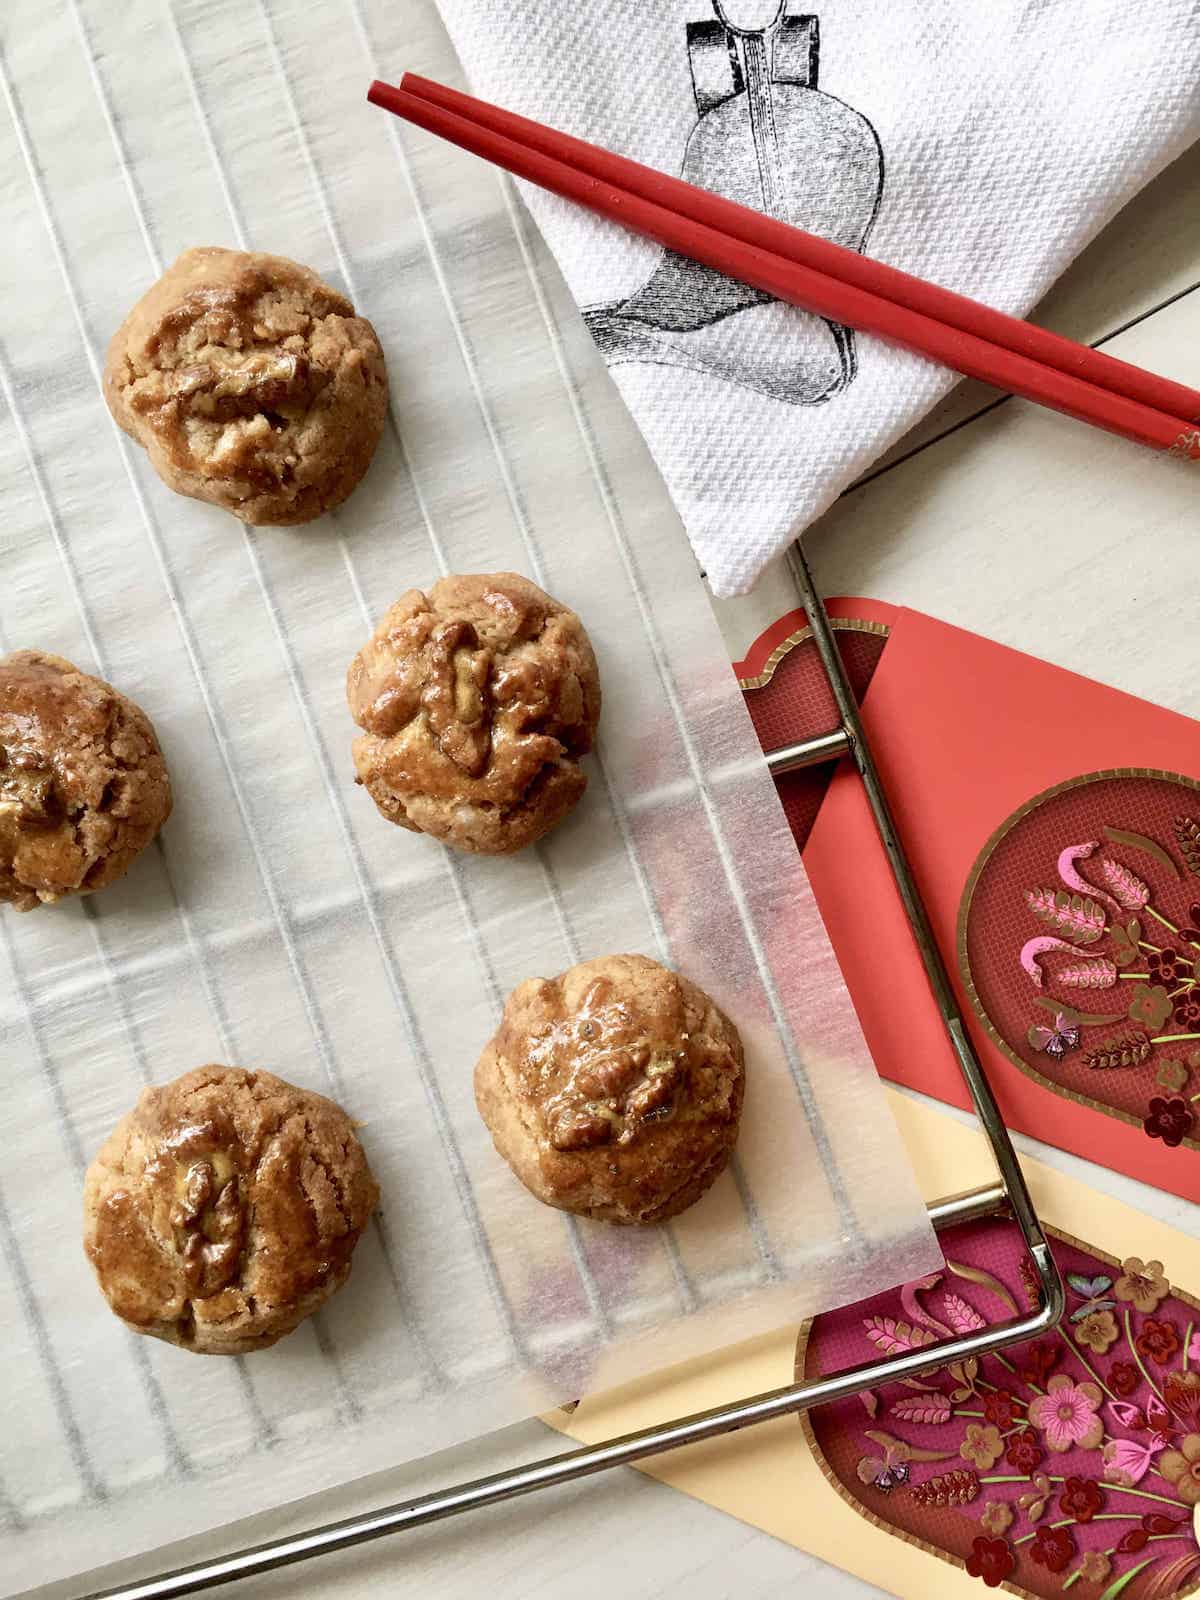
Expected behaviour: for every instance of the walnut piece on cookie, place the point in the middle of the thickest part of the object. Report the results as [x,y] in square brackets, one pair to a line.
[613,1091]
[224,1209]
[83,784]
[476,702]
[251,384]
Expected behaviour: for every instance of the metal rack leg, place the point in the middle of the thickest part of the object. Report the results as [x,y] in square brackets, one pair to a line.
[922,931]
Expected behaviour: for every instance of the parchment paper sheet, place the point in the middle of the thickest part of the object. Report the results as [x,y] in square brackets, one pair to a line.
[282,923]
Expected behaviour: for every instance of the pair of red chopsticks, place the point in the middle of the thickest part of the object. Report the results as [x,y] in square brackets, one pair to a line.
[813,273]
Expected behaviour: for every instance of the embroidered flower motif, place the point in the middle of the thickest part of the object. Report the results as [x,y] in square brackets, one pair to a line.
[1000,1408]
[982,1447]
[1181,1391]
[1150,1006]
[997,1517]
[1047,1413]
[1024,1451]
[1164,965]
[1033,1501]
[1067,1414]
[1080,1498]
[1157,1341]
[1182,1469]
[1098,1331]
[1052,1548]
[991,1560]
[1172,1075]
[1186,1010]
[1039,1359]
[1094,1567]
[1142,1283]
[1169,1120]
[1123,1378]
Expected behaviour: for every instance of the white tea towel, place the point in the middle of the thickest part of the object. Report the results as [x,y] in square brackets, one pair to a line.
[979,145]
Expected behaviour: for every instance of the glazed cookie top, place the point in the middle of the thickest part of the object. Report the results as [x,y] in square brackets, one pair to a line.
[83,783]
[615,1090]
[251,383]
[618,1050]
[224,1208]
[476,701]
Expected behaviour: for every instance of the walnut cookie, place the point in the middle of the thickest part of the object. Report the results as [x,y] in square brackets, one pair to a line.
[83,784]
[476,702]
[613,1091]
[224,1209]
[251,384]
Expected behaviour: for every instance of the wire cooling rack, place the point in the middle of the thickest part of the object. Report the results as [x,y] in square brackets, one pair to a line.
[1007,1195]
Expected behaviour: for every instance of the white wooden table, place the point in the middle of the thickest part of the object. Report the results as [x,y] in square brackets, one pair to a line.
[1032,530]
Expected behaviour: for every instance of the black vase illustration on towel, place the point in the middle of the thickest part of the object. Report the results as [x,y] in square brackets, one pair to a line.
[769,138]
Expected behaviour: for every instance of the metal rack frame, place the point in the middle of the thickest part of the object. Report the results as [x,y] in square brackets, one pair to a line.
[1007,1195]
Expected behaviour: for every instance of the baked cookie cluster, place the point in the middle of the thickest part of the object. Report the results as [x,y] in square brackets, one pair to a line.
[476,702]
[225,1208]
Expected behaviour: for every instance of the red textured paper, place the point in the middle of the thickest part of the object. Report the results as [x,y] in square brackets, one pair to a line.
[967,732]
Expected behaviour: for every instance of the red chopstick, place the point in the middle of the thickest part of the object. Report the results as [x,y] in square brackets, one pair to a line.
[741,222]
[625,191]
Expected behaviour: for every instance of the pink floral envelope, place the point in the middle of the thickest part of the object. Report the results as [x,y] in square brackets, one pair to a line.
[1070,1463]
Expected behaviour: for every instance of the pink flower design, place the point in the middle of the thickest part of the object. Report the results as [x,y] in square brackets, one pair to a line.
[1142,1283]
[1098,1331]
[1067,1414]
[1095,1566]
[1193,1349]
[1151,1005]
[1181,1468]
[1127,1461]
[997,1518]
[982,1446]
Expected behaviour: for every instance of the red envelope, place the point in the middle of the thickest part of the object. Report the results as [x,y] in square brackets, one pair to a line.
[1054,828]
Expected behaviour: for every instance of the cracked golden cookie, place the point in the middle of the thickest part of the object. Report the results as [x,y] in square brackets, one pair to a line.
[251,384]
[83,783]
[224,1209]
[476,702]
[614,1090]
